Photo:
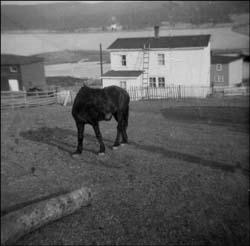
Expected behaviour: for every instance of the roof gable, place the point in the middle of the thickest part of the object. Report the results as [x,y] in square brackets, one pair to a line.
[161,42]
[8,59]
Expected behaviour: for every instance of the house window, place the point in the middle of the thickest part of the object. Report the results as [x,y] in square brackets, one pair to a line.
[161,59]
[152,82]
[124,62]
[123,84]
[13,69]
[161,82]
[218,67]
[219,78]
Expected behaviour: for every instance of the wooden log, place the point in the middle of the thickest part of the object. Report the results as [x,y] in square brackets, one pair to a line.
[16,224]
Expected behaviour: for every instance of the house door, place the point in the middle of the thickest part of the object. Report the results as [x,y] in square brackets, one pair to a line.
[13,85]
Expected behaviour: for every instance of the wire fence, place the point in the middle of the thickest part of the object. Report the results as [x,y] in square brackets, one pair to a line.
[66,95]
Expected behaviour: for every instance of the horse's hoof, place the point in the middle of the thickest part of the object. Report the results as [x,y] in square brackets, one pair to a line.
[115,147]
[76,156]
[101,154]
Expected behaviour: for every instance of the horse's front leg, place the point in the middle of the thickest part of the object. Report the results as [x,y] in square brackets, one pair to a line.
[80,134]
[99,137]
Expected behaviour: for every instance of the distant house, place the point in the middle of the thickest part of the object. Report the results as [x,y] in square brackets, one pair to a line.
[246,68]
[226,70]
[21,72]
[157,62]
[114,27]
[244,54]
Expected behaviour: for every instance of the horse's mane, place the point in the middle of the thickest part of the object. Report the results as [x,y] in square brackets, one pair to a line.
[87,88]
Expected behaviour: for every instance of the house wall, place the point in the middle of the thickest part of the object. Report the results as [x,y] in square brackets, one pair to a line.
[131,82]
[235,72]
[6,74]
[182,66]
[33,75]
[186,67]
[224,72]
[134,60]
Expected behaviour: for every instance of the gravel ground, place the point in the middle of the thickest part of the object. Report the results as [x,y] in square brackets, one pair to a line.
[182,180]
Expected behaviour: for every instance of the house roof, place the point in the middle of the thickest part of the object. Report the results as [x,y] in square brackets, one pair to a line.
[7,59]
[128,73]
[161,42]
[223,59]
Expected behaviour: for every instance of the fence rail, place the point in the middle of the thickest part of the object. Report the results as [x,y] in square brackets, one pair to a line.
[232,90]
[26,99]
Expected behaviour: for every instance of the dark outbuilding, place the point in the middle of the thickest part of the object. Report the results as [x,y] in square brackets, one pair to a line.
[21,72]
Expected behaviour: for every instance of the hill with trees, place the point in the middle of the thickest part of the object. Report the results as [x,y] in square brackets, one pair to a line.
[72,16]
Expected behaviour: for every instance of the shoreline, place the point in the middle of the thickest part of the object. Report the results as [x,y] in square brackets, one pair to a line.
[176,27]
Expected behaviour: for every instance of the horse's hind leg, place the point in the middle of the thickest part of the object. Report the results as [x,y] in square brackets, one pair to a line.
[80,132]
[99,138]
[124,136]
[118,117]
[124,126]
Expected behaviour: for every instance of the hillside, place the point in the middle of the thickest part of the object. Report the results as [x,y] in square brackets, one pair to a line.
[72,16]
[72,56]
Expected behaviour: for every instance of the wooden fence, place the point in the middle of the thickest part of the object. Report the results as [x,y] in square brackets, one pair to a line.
[231,91]
[27,99]
[67,95]
[175,91]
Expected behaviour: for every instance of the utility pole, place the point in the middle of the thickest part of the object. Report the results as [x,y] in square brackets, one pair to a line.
[101,61]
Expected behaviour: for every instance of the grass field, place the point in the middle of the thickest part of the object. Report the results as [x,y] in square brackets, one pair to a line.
[182,180]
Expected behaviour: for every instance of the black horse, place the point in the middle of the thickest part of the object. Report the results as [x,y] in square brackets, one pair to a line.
[93,105]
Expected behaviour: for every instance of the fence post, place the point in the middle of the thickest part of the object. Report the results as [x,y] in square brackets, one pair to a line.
[66,99]
[12,101]
[56,96]
[71,96]
[25,98]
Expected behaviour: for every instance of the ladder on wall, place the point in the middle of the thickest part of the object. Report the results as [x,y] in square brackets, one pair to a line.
[145,65]
[145,68]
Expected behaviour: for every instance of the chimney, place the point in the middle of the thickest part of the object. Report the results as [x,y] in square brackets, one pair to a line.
[156,29]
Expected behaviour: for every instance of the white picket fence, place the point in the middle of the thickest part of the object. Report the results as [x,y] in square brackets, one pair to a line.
[173,91]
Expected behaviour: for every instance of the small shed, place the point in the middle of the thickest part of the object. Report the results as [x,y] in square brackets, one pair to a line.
[226,70]
[246,68]
[21,72]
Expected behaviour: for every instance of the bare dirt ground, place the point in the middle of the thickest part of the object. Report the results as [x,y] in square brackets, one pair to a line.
[182,180]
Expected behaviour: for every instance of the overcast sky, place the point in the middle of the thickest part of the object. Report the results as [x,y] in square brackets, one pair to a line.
[40,2]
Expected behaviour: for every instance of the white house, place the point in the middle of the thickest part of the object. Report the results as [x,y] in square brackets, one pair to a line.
[159,62]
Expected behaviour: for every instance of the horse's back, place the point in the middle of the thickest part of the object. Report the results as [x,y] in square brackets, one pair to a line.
[118,95]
